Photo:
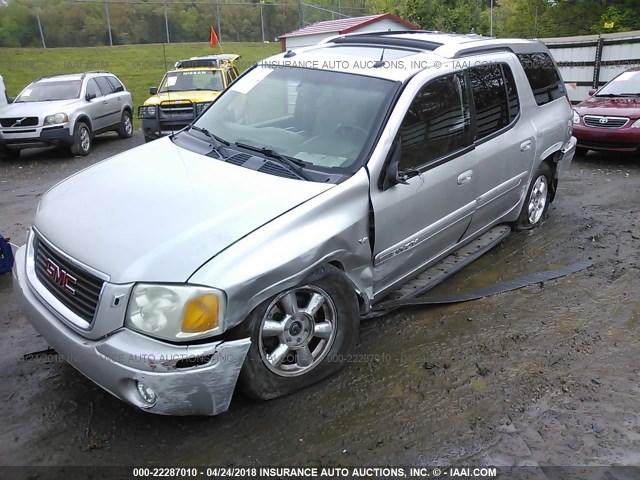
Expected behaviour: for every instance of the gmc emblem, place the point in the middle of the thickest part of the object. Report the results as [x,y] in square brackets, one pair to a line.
[62,278]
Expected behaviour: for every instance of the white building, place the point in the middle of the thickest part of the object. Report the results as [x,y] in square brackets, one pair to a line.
[316,32]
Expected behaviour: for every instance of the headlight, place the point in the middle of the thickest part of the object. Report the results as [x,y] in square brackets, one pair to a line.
[201,106]
[149,111]
[576,117]
[636,124]
[56,119]
[176,312]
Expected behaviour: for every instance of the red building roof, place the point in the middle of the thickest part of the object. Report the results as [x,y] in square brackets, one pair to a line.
[347,25]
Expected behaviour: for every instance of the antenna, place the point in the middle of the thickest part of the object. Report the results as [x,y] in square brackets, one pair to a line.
[380,63]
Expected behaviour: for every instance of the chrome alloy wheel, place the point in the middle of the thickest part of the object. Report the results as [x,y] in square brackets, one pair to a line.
[297,331]
[85,139]
[538,199]
[128,126]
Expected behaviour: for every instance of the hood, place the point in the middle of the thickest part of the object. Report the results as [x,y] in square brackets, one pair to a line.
[195,96]
[158,212]
[35,109]
[611,106]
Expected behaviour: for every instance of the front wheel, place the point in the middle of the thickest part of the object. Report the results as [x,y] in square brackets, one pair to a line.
[300,336]
[81,140]
[535,206]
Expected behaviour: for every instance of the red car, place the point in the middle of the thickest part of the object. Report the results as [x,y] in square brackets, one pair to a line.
[610,119]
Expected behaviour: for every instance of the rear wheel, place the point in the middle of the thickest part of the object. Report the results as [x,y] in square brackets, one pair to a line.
[126,125]
[81,140]
[300,336]
[535,206]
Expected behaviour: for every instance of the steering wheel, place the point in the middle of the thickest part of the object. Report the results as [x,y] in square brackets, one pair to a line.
[351,132]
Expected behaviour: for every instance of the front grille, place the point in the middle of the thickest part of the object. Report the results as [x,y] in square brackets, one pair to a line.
[604,122]
[24,122]
[52,269]
[177,109]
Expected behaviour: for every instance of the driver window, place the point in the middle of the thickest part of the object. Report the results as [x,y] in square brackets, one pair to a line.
[437,123]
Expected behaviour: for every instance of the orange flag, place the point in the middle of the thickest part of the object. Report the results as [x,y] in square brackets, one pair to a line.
[213,38]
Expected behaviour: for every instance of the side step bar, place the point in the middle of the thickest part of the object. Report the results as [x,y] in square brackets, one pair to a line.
[442,270]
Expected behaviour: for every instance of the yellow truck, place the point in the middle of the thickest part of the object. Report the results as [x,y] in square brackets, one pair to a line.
[184,92]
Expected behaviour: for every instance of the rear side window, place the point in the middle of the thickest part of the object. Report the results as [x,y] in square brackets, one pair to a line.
[489,99]
[115,84]
[543,77]
[105,86]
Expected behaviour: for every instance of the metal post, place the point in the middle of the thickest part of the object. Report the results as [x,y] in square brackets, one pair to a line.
[340,7]
[35,6]
[262,20]
[106,11]
[301,14]
[166,22]
[491,19]
[218,16]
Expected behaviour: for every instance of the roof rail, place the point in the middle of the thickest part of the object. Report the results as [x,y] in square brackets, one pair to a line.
[489,46]
[383,39]
[97,71]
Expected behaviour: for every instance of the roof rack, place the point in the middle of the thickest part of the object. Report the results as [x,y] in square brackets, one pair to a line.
[97,71]
[490,46]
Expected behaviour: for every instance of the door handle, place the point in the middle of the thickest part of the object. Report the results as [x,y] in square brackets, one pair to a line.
[464,177]
[104,102]
[526,145]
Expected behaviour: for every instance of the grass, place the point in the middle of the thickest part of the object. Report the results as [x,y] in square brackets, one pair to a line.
[138,66]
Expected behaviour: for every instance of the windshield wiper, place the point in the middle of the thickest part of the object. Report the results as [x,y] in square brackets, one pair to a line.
[618,95]
[294,164]
[218,141]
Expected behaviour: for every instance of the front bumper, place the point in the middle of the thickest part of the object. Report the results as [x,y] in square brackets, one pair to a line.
[120,360]
[26,137]
[624,139]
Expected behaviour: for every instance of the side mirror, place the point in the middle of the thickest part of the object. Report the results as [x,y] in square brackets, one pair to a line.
[392,175]
[153,90]
[90,96]
[592,91]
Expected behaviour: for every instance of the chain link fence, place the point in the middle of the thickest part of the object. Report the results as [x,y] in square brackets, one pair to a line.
[70,23]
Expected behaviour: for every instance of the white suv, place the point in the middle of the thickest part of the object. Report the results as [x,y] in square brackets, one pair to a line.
[65,110]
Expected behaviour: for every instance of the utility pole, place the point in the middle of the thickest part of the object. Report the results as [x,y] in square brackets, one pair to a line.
[301,13]
[218,16]
[35,6]
[491,19]
[106,11]
[262,19]
[166,22]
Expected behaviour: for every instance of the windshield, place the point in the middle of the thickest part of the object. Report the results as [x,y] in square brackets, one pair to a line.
[43,91]
[322,118]
[192,80]
[627,83]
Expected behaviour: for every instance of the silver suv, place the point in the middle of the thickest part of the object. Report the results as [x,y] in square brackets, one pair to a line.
[65,110]
[321,184]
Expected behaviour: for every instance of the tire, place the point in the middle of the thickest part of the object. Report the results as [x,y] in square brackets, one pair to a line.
[286,354]
[536,204]
[581,151]
[82,140]
[126,126]
[9,154]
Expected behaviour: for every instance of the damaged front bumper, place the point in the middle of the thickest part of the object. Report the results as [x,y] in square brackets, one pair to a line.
[185,379]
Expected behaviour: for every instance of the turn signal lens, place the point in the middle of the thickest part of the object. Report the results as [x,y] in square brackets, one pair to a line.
[201,314]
